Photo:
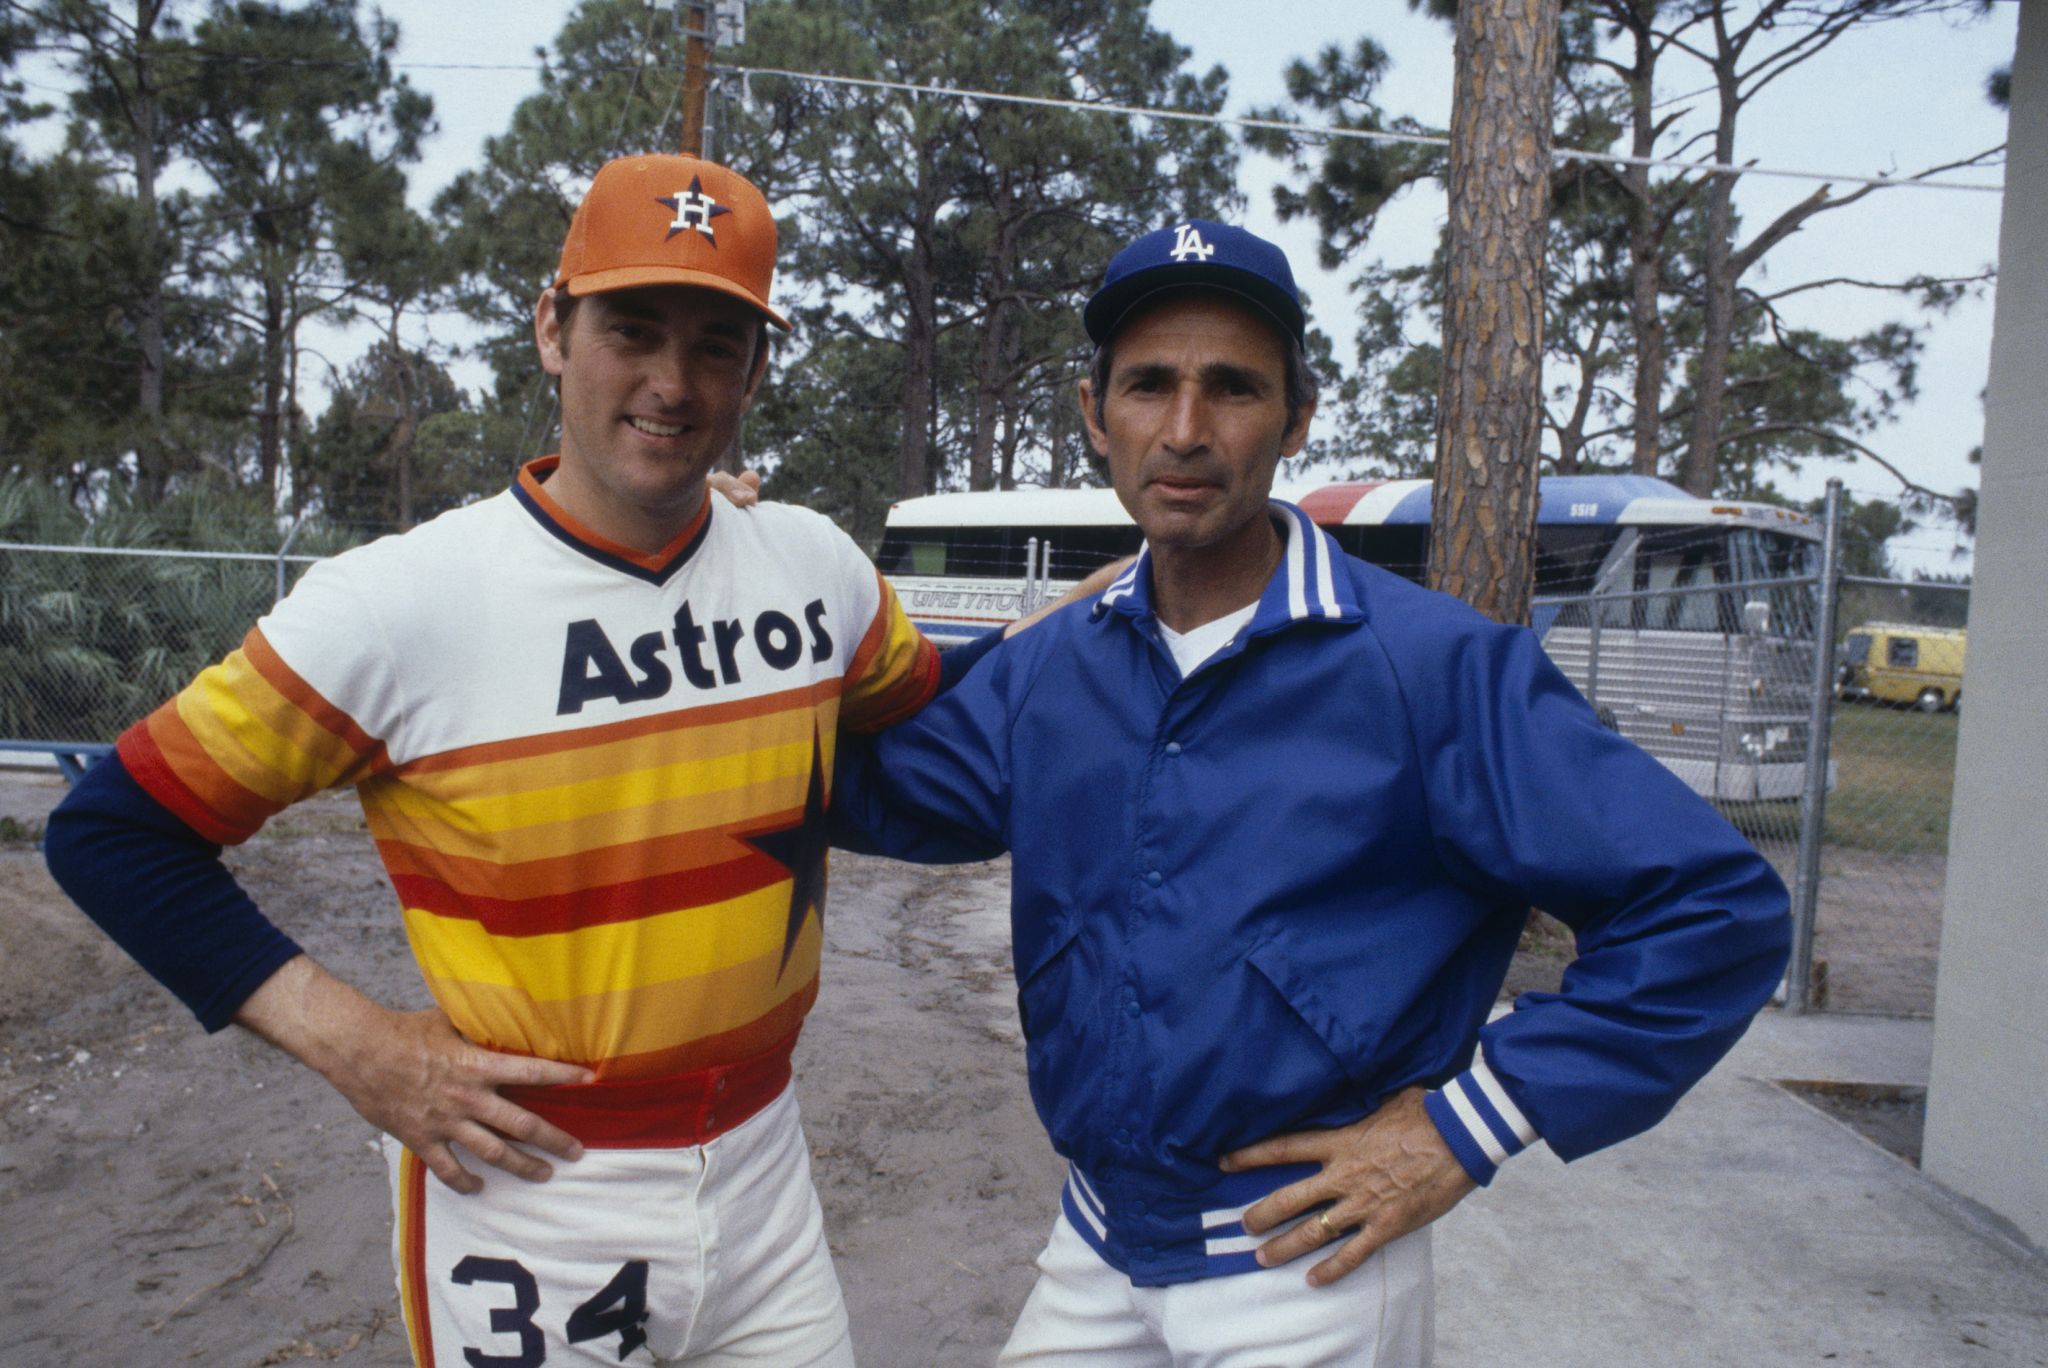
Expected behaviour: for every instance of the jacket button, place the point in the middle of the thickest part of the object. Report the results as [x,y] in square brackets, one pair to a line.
[1173,748]
[1132,1009]
[1122,1137]
[1155,878]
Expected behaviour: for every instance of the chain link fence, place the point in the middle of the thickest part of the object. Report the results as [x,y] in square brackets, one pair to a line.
[93,638]
[1727,683]
[1897,707]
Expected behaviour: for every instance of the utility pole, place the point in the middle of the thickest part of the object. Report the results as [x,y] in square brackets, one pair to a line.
[696,73]
[706,24]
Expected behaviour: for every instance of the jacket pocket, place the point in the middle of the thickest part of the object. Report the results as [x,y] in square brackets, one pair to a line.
[1042,977]
[1313,1006]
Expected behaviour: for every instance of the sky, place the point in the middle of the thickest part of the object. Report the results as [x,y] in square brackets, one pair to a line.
[1892,98]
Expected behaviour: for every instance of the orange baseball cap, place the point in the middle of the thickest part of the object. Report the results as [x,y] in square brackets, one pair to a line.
[664,219]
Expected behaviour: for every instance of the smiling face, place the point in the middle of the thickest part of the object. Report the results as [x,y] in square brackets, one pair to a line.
[654,382]
[1194,423]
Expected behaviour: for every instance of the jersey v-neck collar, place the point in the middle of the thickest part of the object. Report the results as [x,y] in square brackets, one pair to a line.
[531,491]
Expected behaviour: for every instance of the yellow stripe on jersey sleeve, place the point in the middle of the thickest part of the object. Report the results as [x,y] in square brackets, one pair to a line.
[253,733]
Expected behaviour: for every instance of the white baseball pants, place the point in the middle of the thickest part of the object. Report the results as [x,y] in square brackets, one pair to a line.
[708,1255]
[1084,1314]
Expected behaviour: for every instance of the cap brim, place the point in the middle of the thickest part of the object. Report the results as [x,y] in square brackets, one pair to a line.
[1108,308]
[634,277]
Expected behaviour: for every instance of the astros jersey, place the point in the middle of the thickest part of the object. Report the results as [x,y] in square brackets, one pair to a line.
[596,777]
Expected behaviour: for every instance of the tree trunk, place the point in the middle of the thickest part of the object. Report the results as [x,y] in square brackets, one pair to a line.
[270,422]
[1717,322]
[1483,524]
[1645,258]
[991,357]
[920,362]
[149,308]
[1717,290]
[989,362]
[405,434]
[1013,433]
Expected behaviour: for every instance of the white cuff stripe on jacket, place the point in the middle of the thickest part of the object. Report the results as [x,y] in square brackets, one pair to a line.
[1454,1093]
[1498,1096]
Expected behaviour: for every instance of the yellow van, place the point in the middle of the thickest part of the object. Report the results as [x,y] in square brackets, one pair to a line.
[1892,662]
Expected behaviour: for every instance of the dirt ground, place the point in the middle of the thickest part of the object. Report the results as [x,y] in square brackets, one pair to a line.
[169,1197]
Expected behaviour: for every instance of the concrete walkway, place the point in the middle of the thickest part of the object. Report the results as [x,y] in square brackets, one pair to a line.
[1748,1229]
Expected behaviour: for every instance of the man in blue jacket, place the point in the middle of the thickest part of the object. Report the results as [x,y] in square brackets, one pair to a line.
[1278,818]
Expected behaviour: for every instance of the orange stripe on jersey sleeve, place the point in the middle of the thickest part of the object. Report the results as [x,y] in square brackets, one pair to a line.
[143,750]
[246,738]
[894,672]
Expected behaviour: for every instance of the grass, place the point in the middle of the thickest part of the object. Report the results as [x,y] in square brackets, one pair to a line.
[1894,775]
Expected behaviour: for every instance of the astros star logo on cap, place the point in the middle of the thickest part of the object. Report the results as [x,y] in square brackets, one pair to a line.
[694,209]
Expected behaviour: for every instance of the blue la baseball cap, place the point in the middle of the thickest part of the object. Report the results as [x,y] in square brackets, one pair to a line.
[1197,252]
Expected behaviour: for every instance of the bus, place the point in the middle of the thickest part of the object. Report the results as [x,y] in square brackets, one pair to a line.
[1688,623]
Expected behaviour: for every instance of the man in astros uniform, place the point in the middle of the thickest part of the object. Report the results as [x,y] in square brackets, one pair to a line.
[591,722]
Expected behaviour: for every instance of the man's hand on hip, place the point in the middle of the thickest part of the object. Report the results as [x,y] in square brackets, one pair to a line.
[412,1074]
[1381,1177]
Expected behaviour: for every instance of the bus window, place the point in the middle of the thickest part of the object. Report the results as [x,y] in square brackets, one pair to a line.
[912,553]
[1760,555]
[1667,575]
[1402,548]
[1078,552]
[1568,558]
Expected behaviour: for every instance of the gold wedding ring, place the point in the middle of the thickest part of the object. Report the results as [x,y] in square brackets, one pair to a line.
[1323,1220]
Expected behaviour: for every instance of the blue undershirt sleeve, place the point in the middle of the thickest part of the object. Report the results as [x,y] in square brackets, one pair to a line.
[934,789]
[161,892]
[956,661]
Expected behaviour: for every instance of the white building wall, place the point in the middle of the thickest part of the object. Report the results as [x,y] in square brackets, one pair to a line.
[1987,1109]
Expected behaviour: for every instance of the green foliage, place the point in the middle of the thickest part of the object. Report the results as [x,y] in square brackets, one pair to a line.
[834,421]
[1867,524]
[1790,393]
[1998,87]
[936,248]
[299,125]
[395,446]
[1344,182]
[169,354]
[89,643]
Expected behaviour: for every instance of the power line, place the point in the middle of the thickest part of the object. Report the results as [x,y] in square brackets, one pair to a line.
[1327,131]
[1141,112]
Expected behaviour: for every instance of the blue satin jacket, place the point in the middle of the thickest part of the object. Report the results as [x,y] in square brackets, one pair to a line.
[1266,896]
